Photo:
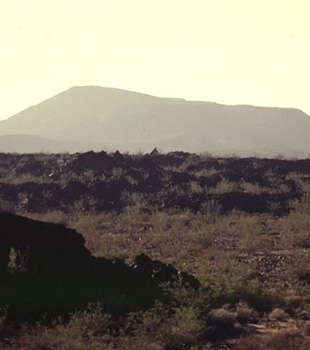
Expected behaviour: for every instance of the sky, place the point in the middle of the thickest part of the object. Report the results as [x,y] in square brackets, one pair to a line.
[226,51]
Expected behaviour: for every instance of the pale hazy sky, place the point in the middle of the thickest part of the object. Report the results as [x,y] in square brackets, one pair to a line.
[226,51]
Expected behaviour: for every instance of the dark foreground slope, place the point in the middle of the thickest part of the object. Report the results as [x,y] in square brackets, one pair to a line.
[91,117]
[45,268]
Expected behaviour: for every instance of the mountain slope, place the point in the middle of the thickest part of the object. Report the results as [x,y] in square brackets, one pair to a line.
[111,118]
[20,143]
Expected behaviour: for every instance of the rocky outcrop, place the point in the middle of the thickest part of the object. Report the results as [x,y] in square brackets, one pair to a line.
[45,268]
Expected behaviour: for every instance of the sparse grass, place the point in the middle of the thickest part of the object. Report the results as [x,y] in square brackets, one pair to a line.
[285,340]
[251,265]
[224,186]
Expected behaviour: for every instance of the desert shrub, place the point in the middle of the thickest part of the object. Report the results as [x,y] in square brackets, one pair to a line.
[251,188]
[306,328]
[278,314]
[195,188]
[245,313]
[137,343]
[23,178]
[85,330]
[285,340]
[204,172]
[231,284]
[302,205]
[17,262]
[292,301]
[222,319]
[297,226]
[211,210]
[224,186]
[135,201]
[301,269]
[182,331]
[91,321]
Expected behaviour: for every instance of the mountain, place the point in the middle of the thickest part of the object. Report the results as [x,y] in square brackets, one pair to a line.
[91,117]
[21,143]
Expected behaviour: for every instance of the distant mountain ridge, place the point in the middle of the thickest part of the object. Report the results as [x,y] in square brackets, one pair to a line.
[91,117]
